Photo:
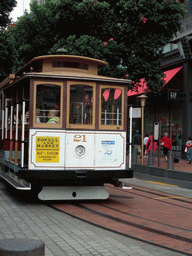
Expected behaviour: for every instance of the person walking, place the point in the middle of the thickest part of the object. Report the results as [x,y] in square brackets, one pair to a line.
[145,142]
[137,142]
[166,143]
[150,145]
[188,149]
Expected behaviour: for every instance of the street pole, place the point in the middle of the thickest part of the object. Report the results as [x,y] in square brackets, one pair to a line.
[142,102]
[142,133]
[130,135]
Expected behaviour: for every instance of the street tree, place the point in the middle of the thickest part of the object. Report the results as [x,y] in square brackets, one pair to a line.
[128,34]
[7,53]
[5,8]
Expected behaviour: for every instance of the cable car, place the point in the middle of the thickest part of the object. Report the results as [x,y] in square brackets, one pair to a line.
[63,128]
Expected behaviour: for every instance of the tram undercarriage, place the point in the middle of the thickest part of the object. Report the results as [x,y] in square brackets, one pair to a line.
[64,184]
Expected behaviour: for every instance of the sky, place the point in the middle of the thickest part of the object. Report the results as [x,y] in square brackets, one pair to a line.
[19,9]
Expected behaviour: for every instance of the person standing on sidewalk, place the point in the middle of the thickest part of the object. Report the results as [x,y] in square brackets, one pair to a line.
[188,150]
[166,143]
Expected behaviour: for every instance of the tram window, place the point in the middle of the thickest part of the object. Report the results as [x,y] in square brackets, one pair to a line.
[111,106]
[48,103]
[81,104]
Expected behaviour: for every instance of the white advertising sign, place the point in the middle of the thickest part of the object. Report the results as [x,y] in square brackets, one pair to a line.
[136,112]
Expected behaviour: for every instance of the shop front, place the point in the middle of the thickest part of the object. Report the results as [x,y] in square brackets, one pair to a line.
[167,108]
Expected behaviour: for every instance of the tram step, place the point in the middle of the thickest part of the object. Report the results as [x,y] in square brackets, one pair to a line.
[16,184]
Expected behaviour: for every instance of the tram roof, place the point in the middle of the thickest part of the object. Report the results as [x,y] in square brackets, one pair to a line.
[73,59]
[63,66]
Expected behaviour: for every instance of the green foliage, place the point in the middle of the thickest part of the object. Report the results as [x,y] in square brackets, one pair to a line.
[82,46]
[7,54]
[93,47]
[128,34]
[6,6]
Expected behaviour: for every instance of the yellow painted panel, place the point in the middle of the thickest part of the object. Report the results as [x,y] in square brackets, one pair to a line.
[47,149]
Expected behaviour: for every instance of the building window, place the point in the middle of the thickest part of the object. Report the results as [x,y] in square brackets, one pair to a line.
[169,47]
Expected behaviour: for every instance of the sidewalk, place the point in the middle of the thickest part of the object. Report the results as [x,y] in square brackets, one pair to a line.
[181,166]
[181,174]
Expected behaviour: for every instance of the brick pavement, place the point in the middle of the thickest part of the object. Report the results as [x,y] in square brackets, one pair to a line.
[179,174]
[62,233]
[181,166]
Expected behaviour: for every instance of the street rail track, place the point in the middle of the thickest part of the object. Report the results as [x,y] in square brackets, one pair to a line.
[155,217]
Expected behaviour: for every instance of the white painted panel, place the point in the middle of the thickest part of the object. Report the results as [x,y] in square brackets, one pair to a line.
[73,193]
[53,149]
[79,149]
[110,150]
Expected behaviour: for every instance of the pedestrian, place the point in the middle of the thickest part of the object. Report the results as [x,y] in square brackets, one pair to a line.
[137,142]
[150,145]
[145,142]
[188,149]
[166,143]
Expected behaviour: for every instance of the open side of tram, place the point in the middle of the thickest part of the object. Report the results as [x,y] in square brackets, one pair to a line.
[63,128]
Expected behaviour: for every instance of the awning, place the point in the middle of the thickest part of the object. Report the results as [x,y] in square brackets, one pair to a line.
[169,74]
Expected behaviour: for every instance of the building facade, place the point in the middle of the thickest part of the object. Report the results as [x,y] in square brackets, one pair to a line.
[173,108]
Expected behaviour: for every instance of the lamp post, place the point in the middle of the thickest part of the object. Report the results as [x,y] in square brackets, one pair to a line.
[142,98]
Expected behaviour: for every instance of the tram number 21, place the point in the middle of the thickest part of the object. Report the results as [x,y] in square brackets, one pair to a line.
[78,138]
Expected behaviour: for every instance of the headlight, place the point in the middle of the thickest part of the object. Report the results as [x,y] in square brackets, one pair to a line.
[80,151]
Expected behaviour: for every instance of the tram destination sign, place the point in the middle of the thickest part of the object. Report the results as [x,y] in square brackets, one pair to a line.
[47,149]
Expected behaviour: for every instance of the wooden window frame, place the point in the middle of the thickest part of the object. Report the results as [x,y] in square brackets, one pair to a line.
[112,127]
[47,125]
[80,126]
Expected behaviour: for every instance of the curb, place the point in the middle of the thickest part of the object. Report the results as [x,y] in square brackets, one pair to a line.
[180,178]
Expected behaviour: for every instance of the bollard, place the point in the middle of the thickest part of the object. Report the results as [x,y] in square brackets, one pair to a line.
[134,158]
[21,247]
[150,158]
[170,162]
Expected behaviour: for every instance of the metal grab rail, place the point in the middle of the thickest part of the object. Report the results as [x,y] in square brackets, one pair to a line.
[106,114]
[23,136]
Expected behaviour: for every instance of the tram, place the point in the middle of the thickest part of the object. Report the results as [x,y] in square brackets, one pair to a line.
[63,128]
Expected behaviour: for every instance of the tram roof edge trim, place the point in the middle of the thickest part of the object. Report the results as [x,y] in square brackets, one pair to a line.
[7,80]
[81,77]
